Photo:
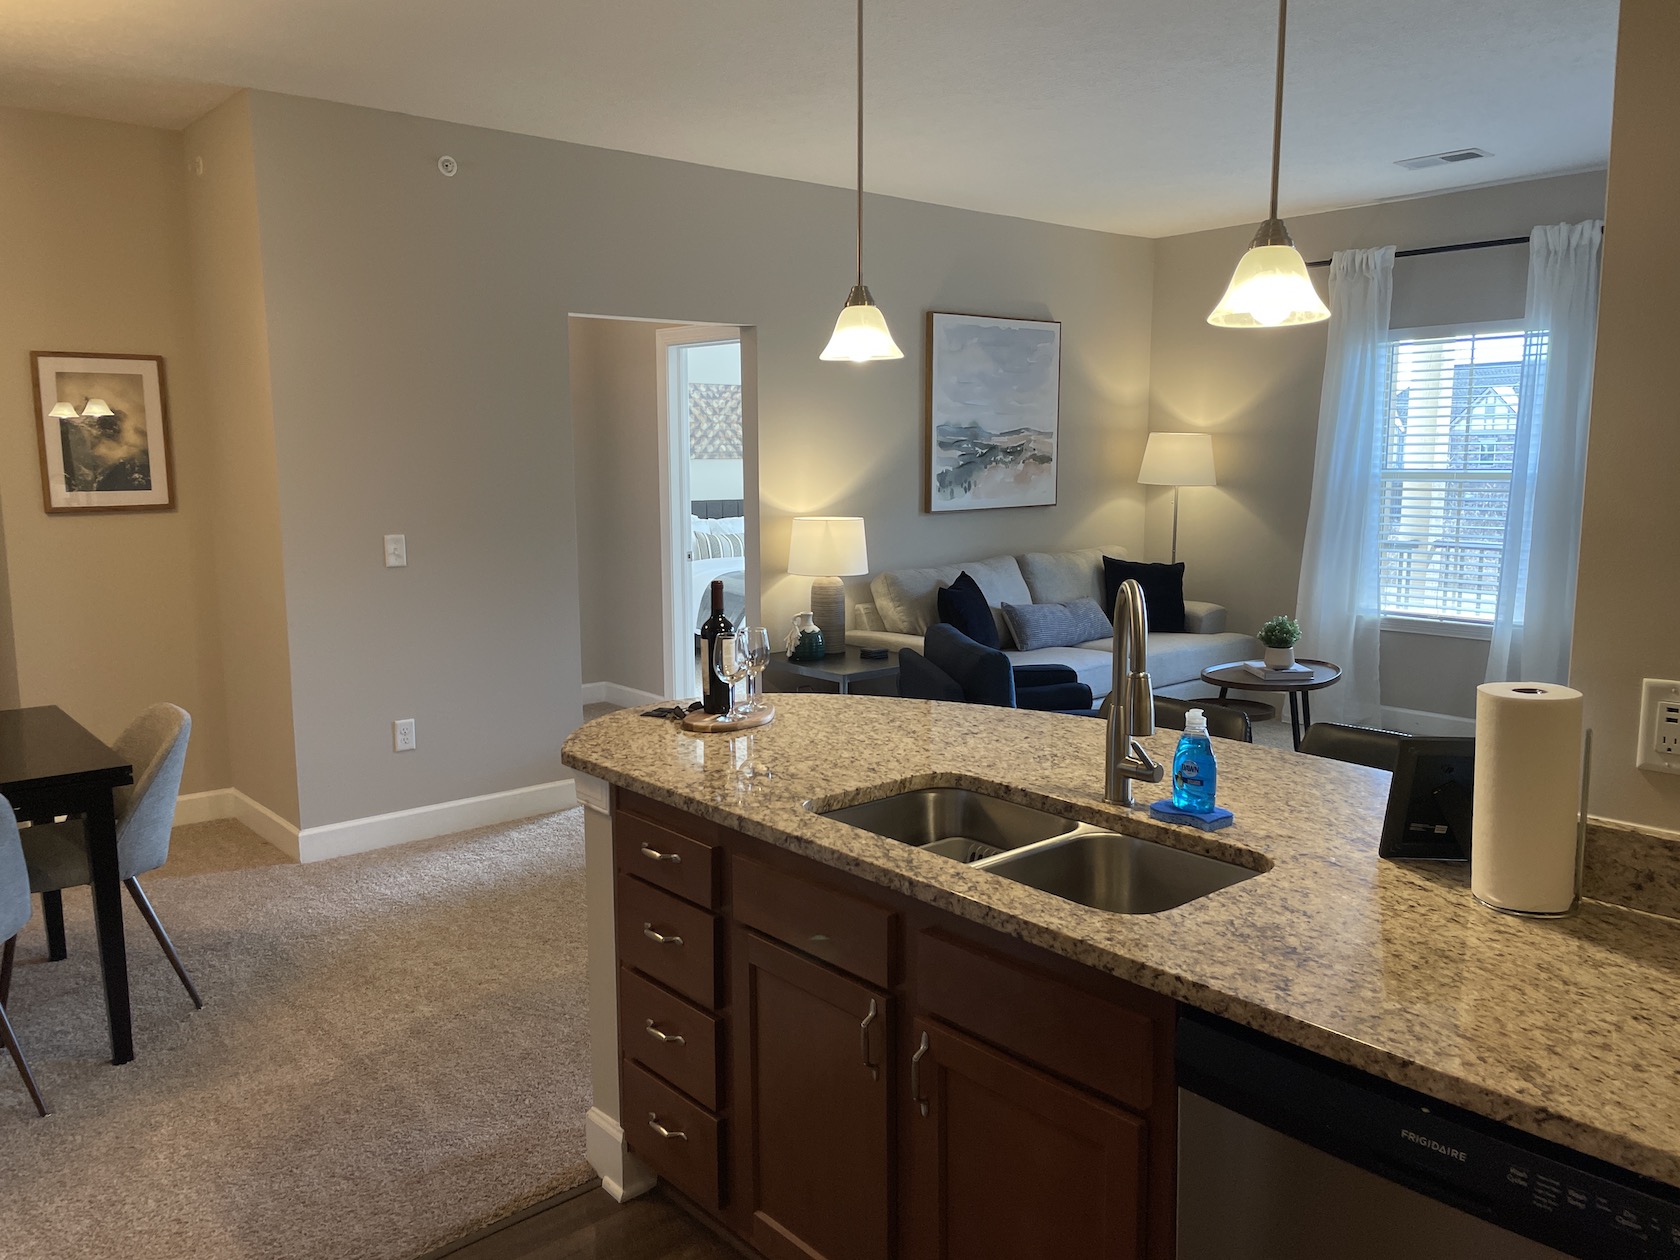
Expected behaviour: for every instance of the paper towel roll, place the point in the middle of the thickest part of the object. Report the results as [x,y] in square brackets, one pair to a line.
[1527,797]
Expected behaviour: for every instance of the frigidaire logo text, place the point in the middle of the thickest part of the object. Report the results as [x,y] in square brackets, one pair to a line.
[1440,1148]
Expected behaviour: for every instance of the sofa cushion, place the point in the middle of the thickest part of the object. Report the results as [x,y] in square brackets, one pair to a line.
[906,599]
[1055,577]
[1181,658]
[1054,625]
[963,605]
[1090,666]
[1163,590]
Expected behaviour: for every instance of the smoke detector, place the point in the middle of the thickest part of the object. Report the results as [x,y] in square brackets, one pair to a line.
[1442,159]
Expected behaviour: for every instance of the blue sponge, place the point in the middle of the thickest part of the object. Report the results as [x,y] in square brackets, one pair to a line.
[1206,819]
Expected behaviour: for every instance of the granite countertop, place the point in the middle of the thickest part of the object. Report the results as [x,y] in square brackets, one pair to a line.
[1565,1028]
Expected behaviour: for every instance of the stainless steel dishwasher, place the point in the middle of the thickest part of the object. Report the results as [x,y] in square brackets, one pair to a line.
[1285,1155]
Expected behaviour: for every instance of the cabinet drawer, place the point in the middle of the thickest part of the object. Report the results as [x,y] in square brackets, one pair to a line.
[687,1153]
[1075,1034]
[668,939]
[852,935]
[668,1036]
[675,862]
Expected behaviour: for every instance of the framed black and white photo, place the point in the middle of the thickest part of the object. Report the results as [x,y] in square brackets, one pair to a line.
[104,432]
[994,405]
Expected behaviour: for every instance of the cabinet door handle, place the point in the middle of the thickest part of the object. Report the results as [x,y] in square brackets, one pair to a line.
[670,1135]
[916,1076]
[665,1038]
[863,1040]
[659,938]
[648,851]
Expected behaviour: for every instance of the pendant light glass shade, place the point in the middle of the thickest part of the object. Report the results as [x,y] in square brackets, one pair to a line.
[64,411]
[861,334]
[97,407]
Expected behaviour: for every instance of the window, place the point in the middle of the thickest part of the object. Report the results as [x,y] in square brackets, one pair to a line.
[1447,444]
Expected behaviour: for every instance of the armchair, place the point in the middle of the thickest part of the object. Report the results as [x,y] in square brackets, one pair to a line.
[952,666]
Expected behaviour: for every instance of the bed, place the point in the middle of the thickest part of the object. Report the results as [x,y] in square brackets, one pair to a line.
[719,551]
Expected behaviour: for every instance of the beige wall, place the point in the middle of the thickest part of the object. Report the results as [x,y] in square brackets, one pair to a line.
[615,435]
[417,330]
[108,612]
[249,618]
[1627,618]
[1258,393]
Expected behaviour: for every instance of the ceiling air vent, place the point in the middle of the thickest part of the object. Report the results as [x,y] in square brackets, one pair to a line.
[1442,159]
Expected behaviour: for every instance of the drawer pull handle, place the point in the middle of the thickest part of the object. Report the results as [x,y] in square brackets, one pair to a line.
[863,1040]
[916,1076]
[665,1038]
[659,938]
[648,851]
[670,1135]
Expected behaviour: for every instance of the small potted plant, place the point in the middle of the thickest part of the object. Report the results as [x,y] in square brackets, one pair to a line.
[1280,635]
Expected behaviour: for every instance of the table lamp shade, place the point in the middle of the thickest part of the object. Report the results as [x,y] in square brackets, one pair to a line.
[1178,459]
[828,546]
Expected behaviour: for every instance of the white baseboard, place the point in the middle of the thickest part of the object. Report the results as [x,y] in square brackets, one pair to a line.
[358,835]
[1419,722]
[617,693]
[622,1175]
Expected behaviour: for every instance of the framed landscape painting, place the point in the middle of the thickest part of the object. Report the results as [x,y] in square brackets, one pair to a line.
[104,432]
[994,403]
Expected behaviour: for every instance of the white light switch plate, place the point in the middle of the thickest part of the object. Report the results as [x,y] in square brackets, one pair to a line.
[1659,726]
[396,551]
[402,735]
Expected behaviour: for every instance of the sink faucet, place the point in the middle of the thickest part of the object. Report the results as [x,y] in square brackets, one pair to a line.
[1131,704]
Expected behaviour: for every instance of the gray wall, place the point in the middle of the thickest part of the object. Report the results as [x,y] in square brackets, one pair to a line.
[1258,393]
[417,331]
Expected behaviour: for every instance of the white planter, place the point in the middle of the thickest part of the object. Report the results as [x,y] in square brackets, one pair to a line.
[1280,658]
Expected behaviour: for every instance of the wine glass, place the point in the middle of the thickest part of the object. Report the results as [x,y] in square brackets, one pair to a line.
[758,656]
[729,662]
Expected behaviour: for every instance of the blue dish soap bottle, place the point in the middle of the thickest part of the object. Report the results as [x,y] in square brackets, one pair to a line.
[1194,774]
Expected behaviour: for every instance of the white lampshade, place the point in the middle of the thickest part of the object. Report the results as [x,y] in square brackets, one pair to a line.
[1270,289]
[1178,459]
[861,334]
[97,407]
[64,411]
[828,546]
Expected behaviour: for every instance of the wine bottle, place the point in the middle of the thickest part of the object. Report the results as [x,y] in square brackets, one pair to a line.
[716,690]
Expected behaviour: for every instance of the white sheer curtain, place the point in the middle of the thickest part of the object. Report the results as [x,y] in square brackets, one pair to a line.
[1340,606]
[1536,613]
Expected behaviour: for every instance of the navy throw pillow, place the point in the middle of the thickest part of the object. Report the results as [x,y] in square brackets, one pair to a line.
[963,605]
[1163,591]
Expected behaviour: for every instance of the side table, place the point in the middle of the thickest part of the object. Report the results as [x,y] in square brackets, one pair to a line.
[844,671]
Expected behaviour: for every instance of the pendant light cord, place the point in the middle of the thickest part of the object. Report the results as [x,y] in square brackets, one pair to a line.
[860,146]
[1277,108]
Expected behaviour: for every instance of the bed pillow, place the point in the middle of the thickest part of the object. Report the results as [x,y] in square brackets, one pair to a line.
[718,546]
[1163,590]
[1056,625]
[720,525]
[962,605]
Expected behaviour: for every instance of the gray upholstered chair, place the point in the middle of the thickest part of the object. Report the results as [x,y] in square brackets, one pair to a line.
[155,743]
[14,913]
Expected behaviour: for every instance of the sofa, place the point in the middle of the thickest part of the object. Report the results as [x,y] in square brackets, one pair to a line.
[905,604]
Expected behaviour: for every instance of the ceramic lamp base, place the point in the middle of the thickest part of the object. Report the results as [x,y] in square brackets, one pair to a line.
[828,609]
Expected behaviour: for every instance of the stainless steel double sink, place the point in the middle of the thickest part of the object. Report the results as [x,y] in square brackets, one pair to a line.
[1077,861]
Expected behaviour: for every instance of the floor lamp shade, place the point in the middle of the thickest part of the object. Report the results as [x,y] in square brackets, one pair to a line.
[827,548]
[1177,459]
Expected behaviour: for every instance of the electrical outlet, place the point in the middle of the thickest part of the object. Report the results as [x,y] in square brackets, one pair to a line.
[1659,726]
[396,551]
[402,734]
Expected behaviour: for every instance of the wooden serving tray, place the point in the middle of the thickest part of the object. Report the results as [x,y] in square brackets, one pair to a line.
[717,724]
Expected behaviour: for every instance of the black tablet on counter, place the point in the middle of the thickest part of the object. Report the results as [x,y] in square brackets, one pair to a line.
[1428,818]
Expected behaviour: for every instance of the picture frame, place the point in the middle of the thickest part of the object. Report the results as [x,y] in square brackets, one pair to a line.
[102,428]
[993,412]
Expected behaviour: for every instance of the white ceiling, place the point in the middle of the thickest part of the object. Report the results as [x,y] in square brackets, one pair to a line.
[1142,116]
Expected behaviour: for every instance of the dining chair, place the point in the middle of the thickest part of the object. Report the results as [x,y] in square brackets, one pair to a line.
[1362,745]
[155,743]
[14,913]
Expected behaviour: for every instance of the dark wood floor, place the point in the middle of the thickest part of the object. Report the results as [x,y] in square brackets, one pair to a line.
[595,1227]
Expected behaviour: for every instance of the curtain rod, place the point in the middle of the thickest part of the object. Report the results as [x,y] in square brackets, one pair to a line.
[1443,249]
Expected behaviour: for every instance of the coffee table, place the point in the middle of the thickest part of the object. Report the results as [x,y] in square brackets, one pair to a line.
[1234,676]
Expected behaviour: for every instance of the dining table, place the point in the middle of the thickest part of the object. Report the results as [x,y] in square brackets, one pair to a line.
[52,767]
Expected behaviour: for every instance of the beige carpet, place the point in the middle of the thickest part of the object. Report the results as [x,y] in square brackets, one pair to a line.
[393,1052]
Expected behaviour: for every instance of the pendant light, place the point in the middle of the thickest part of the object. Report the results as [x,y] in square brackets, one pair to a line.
[861,334]
[1270,288]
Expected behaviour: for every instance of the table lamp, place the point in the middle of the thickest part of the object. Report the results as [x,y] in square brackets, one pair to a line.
[825,549]
[1177,459]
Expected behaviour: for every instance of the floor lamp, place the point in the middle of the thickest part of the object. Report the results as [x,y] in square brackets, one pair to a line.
[1177,459]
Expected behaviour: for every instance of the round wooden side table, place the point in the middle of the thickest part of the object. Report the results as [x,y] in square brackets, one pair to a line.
[1237,676]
